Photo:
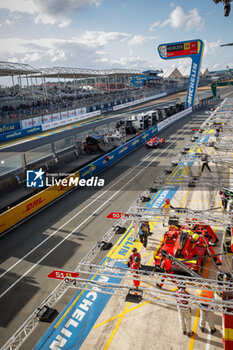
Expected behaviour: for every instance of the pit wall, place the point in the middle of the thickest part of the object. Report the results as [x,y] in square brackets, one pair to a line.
[39,124]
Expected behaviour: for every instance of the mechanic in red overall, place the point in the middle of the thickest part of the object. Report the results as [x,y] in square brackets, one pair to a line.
[132,256]
[136,266]
[167,267]
[213,239]
[206,240]
[171,235]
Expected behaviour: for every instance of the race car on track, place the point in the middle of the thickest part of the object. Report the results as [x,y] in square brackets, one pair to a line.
[189,245]
[155,142]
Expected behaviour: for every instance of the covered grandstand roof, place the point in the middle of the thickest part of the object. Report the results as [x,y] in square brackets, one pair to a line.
[68,72]
[206,72]
[11,68]
[151,71]
[172,73]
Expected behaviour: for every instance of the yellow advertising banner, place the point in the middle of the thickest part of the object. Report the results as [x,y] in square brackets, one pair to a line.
[21,211]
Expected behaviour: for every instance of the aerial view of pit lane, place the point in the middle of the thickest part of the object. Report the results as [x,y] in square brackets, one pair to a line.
[116,182]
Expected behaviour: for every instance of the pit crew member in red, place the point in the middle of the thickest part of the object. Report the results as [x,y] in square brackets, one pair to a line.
[166,265]
[133,255]
[136,266]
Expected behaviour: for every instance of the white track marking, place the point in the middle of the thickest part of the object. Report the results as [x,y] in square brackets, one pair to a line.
[84,221]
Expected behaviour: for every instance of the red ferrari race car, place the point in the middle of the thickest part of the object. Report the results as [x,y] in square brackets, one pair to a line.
[188,246]
[155,142]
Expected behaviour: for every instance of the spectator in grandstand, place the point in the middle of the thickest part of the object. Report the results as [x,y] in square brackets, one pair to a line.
[67,97]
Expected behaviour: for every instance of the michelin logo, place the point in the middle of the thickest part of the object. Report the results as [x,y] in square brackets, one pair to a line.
[35,178]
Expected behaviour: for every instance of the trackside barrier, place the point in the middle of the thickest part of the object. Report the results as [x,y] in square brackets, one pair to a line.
[143,99]
[31,205]
[70,120]
[9,127]
[28,123]
[227,326]
[23,210]
[165,123]
[19,133]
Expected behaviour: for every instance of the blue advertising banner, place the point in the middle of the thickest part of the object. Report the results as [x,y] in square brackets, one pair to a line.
[20,133]
[138,80]
[194,50]
[9,127]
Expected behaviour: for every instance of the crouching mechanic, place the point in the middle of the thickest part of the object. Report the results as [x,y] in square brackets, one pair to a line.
[184,311]
[166,265]
[132,256]
[204,240]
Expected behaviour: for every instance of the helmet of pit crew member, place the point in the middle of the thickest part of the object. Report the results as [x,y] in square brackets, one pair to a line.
[134,250]
[167,200]
[195,236]
[137,259]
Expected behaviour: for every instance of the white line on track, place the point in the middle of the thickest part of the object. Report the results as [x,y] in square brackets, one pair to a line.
[90,216]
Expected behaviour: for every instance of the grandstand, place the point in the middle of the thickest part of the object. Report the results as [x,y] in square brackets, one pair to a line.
[62,88]
[57,89]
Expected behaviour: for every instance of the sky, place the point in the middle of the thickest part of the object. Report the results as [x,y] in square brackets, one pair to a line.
[104,34]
